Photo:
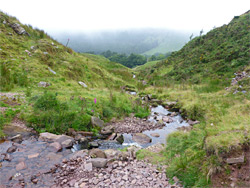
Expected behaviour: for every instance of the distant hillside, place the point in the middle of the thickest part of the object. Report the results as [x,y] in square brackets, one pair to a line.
[139,41]
[218,54]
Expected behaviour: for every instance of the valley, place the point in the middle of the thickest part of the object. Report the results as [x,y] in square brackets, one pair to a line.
[72,119]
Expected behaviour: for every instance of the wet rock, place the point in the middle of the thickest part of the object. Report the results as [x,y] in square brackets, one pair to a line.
[93,145]
[84,142]
[7,157]
[97,153]
[82,84]
[158,118]
[18,138]
[173,114]
[11,149]
[35,155]
[191,122]
[141,138]
[99,162]
[21,166]
[235,160]
[67,143]
[96,122]
[112,136]
[119,138]
[167,119]
[43,84]
[55,147]
[53,156]
[155,134]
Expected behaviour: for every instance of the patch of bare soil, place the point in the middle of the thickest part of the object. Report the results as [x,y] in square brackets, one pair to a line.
[237,175]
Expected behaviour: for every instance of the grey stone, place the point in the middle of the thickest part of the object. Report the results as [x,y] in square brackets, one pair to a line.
[43,84]
[93,144]
[235,160]
[99,162]
[82,84]
[97,153]
[67,143]
[95,121]
[141,138]
[155,134]
[55,147]
[11,149]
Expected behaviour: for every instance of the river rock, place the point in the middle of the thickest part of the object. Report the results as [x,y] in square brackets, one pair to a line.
[93,145]
[67,143]
[21,165]
[96,122]
[155,134]
[35,155]
[18,138]
[48,136]
[98,162]
[84,142]
[7,157]
[97,153]
[141,138]
[55,147]
[11,149]
[167,119]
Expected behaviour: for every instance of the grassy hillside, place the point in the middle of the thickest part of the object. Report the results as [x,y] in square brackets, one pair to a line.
[196,76]
[28,60]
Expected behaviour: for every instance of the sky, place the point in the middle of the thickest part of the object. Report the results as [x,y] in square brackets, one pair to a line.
[96,15]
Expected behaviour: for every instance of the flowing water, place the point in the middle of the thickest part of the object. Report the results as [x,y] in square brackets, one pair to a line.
[163,132]
[39,159]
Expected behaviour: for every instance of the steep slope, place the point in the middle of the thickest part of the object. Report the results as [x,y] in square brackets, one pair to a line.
[219,53]
[209,77]
[48,75]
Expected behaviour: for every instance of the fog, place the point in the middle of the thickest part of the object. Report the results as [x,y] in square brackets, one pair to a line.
[95,15]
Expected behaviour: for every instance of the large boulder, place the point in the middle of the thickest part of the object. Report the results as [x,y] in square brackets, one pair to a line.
[141,138]
[97,153]
[96,122]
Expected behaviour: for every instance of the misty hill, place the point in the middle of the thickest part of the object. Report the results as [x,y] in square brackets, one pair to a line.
[218,54]
[139,41]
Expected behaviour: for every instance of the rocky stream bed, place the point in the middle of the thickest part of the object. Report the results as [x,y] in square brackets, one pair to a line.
[82,160]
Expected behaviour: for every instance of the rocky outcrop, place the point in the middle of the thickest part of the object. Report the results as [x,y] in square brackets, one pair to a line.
[18,29]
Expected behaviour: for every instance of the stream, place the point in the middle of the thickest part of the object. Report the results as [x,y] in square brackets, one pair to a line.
[34,159]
